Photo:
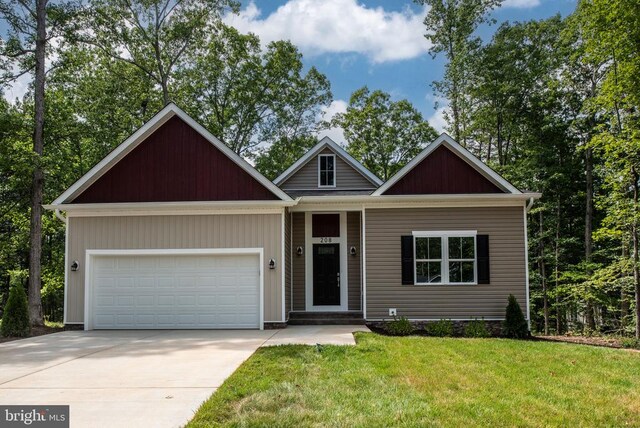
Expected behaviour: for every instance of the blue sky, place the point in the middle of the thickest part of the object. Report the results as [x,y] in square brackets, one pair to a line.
[377,43]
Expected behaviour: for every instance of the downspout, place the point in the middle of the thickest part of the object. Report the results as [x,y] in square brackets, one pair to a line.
[59,215]
[530,204]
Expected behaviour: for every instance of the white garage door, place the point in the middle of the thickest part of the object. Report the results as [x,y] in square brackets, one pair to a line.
[175,291]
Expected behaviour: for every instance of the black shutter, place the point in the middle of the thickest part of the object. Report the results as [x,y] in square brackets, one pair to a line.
[407,260]
[482,244]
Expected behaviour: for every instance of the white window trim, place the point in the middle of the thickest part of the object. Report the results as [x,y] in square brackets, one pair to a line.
[335,180]
[444,260]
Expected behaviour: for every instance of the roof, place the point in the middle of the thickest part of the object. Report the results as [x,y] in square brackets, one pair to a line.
[145,131]
[322,144]
[464,154]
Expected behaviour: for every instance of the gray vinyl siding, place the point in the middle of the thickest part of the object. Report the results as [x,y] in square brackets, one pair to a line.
[298,265]
[346,176]
[353,262]
[176,232]
[384,227]
[287,264]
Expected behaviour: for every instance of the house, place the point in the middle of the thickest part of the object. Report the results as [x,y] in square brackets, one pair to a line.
[173,230]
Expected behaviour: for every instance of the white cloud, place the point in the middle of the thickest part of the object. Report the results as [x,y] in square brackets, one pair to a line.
[521,4]
[338,26]
[336,134]
[438,119]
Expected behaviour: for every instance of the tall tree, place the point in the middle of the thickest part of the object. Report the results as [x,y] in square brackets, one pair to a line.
[31,27]
[382,134]
[451,25]
[611,30]
[246,96]
[153,35]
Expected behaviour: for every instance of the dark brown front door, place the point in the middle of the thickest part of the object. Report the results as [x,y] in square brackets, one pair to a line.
[326,274]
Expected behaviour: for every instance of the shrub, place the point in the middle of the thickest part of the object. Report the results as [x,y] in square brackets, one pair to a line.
[476,328]
[630,342]
[15,319]
[442,328]
[515,325]
[399,327]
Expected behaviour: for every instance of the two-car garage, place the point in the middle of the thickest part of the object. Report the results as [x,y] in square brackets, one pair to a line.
[173,289]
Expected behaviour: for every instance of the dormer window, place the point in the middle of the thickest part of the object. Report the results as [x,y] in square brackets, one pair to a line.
[327,171]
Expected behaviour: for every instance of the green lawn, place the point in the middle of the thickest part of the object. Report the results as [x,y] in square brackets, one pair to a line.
[419,381]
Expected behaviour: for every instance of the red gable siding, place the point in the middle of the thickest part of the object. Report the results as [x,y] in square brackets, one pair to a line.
[442,172]
[174,164]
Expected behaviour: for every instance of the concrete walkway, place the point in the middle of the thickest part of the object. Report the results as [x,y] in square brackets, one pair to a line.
[137,378]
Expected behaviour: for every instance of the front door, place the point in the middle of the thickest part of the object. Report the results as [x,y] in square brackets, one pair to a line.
[326,274]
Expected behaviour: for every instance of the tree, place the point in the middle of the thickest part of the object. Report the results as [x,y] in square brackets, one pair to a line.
[154,35]
[246,97]
[610,31]
[273,161]
[450,28]
[15,319]
[382,134]
[31,27]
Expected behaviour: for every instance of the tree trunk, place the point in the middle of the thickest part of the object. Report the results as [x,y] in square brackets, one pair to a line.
[588,231]
[543,278]
[624,298]
[35,236]
[636,269]
[557,269]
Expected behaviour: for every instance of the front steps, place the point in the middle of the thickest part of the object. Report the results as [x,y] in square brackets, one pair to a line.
[326,318]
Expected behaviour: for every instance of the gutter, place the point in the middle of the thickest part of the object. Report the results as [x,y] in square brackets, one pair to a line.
[59,215]
[530,204]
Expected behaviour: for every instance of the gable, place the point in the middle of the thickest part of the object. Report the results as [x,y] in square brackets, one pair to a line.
[175,163]
[442,172]
[347,177]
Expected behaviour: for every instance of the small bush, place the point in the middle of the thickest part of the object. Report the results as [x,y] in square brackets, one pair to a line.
[515,325]
[476,328]
[442,328]
[630,342]
[399,327]
[15,319]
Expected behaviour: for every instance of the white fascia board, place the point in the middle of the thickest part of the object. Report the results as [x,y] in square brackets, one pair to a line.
[327,142]
[466,155]
[172,208]
[327,203]
[145,131]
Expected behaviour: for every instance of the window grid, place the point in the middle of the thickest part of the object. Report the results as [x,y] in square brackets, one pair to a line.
[446,260]
[326,170]
[429,258]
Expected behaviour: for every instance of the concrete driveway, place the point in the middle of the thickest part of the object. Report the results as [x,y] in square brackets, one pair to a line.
[136,378]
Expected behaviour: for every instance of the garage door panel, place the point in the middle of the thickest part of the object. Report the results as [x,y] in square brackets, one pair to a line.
[176,291]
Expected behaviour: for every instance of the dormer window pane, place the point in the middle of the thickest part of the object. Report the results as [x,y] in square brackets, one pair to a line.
[327,173]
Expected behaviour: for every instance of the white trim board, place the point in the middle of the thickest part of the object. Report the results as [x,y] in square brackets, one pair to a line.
[464,154]
[322,144]
[344,274]
[145,131]
[90,253]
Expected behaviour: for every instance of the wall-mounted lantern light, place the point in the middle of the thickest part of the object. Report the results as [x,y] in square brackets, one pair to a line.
[352,251]
[272,264]
[299,251]
[75,265]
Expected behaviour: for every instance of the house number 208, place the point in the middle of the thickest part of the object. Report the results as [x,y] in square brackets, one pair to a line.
[325,240]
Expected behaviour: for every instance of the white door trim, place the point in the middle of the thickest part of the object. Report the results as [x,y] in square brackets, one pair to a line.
[90,254]
[344,277]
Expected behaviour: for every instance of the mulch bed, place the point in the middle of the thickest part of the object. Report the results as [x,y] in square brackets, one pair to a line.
[608,342]
[35,331]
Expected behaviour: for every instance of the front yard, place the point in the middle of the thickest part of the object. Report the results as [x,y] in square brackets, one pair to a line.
[420,381]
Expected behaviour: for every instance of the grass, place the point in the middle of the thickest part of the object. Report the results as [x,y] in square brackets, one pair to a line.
[422,381]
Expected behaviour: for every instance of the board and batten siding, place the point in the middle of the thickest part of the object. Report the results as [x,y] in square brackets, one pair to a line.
[176,232]
[287,264]
[306,178]
[353,262]
[384,227]
[298,262]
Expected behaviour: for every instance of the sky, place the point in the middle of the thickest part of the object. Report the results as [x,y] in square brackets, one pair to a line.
[375,43]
